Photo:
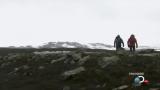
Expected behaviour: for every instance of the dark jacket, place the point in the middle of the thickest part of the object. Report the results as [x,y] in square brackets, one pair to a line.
[118,42]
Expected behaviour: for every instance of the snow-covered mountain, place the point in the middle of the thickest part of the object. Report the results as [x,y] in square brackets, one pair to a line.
[99,46]
[63,45]
[80,45]
[88,45]
[76,45]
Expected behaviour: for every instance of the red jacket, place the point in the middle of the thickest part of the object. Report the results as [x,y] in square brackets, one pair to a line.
[132,41]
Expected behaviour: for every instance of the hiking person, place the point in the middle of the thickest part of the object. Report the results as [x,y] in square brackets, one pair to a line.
[118,43]
[132,43]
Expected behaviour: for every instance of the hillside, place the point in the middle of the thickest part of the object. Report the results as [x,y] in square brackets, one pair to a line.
[76,69]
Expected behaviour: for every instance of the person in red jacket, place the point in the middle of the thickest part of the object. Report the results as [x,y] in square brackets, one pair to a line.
[132,43]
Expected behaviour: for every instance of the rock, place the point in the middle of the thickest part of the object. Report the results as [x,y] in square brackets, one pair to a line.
[149,54]
[16,69]
[50,52]
[53,61]
[121,87]
[76,56]
[25,67]
[101,86]
[121,51]
[154,89]
[66,88]
[146,51]
[58,60]
[5,64]
[83,60]
[98,86]
[104,85]
[107,61]
[72,62]
[27,74]
[11,57]
[73,72]
[41,67]
[72,58]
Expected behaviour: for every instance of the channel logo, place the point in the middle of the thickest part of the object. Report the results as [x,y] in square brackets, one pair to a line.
[139,81]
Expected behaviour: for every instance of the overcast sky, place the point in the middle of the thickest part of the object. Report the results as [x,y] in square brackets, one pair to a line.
[34,22]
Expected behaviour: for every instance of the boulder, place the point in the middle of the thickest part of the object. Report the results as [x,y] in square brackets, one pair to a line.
[66,88]
[73,72]
[107,61]
[123,87]
[83,60]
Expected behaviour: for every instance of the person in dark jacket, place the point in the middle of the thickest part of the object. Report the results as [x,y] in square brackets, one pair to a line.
[132,43]
[118,43]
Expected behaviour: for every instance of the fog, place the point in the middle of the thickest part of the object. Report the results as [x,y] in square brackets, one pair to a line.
[34,22]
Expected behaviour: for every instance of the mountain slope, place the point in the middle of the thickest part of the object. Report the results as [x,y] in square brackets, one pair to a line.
[76,45]
[76,70]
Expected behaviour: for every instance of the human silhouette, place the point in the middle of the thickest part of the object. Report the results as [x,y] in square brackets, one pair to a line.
[132,43]
[118,42]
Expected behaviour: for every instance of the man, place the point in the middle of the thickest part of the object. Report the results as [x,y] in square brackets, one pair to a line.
[132,43]
[118,43]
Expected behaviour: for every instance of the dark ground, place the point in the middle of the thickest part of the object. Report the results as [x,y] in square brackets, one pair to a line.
[21,69]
